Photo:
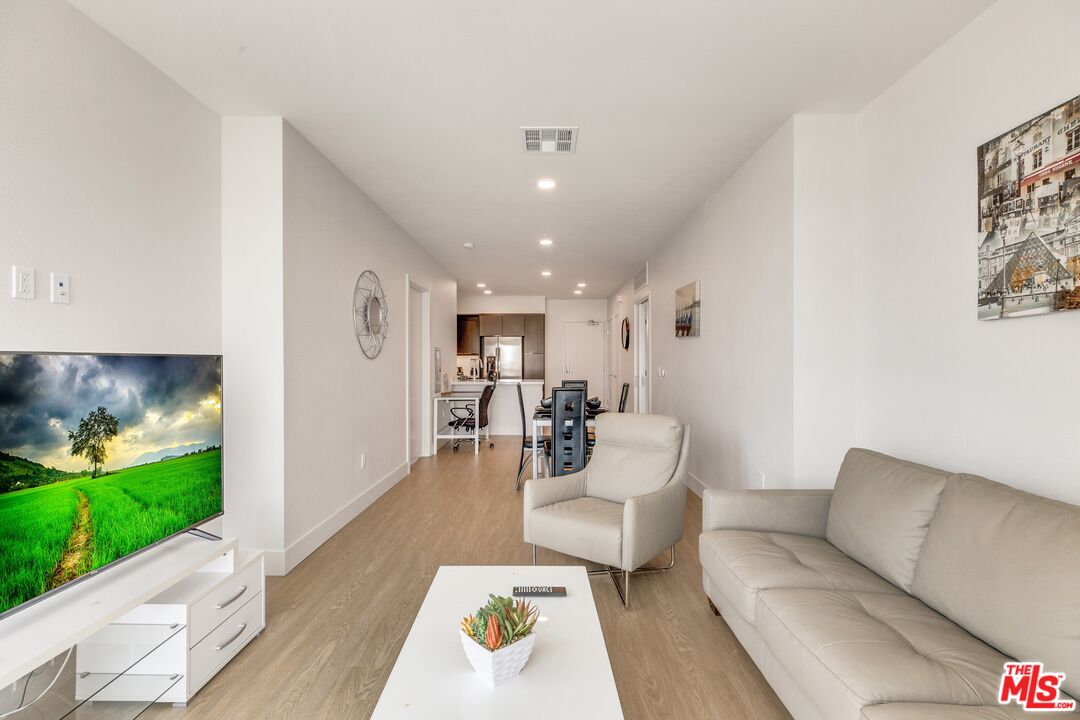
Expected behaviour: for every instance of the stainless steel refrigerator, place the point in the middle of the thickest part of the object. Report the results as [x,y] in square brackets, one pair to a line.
[504,354]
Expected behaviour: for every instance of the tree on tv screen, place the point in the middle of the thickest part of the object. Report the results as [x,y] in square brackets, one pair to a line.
[95,430]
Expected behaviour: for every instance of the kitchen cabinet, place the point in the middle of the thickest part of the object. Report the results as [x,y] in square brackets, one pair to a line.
[513,325]
[533,366]
[534,334]
[491,325]
[468,334]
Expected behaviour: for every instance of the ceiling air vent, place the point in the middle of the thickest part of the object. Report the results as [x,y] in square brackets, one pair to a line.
[549,139]
[641,279]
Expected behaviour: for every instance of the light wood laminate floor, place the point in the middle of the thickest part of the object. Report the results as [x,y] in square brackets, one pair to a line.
[335,624]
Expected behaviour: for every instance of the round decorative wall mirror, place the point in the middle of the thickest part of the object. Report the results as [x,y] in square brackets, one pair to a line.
[626,333]
[370,314]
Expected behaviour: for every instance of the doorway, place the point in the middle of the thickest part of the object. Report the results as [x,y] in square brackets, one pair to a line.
[642,357]
[418,381]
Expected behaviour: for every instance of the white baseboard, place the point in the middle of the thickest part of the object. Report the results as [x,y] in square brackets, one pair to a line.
[695,485]
[280,562]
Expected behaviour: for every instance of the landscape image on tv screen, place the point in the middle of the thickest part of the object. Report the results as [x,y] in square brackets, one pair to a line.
[100,457]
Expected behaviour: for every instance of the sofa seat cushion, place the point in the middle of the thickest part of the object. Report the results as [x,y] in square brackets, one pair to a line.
[925,711]
[588,528]
[851,649]
[742,562]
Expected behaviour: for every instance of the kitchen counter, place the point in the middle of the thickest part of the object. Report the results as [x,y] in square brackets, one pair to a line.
[482,383]
[504,413]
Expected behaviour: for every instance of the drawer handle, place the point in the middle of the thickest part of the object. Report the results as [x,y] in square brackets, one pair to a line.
[230,641]
[234,598]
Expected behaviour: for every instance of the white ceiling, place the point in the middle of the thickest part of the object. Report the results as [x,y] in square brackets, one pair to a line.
[420,103]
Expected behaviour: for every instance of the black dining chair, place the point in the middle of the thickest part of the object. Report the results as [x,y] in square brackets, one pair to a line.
[565,449]
[469,421]
[622,398]
[526,441]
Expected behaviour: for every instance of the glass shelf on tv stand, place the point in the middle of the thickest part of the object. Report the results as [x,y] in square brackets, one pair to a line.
[106,693]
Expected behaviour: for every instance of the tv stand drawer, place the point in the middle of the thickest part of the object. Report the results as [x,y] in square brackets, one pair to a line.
[225,641]
[223,601]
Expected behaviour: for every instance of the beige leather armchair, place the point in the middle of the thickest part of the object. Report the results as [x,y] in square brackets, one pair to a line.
[626,507]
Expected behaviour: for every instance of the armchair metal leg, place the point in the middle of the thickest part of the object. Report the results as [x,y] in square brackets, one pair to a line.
[624,590]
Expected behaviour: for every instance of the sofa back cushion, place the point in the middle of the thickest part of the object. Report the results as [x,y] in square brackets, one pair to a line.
[634,455]
[1005,565]
[880,510]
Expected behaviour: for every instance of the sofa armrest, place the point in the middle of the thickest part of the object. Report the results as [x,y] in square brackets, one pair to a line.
[544,491]
[652,523]
[799,512]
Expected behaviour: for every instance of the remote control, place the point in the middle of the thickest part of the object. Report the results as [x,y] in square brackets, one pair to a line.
[539,591]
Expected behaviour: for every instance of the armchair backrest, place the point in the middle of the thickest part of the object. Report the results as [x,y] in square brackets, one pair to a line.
[635,455]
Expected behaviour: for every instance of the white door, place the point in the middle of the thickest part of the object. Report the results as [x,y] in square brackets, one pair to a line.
[644,347]
[583,355]
[416,398]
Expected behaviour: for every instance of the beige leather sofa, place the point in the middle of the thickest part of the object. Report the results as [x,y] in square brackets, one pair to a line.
[898,595]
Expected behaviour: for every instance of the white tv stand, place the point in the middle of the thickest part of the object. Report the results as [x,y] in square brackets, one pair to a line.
[195,603]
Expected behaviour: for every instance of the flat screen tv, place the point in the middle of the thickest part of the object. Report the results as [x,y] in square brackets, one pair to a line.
[101,457]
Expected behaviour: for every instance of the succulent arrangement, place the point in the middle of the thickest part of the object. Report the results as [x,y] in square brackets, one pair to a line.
[500,623]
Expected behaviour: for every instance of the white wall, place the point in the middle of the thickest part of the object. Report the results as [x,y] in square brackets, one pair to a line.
[470,304]
[934,384]
[621,364]
[252,305]
[874,339]
[111,173]
[824,247]
[733,384]
[338,403]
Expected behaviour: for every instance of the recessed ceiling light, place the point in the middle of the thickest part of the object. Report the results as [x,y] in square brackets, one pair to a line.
[546,241]
[581,284]
[545,273]
[577,292]
[480,285]
[469,245]
[487,292]
[545,184]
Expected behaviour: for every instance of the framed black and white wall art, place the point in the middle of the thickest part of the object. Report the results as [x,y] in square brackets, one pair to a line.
[1029,217]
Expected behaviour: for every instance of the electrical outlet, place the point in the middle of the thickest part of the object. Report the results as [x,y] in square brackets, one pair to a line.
[22,282]
[761,479]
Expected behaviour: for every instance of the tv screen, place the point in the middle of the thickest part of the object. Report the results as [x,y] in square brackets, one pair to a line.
[101,456]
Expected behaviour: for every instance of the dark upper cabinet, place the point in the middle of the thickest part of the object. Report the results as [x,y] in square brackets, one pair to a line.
[534,334]
[468,335]
[534,366]
[491,325]
[513,325]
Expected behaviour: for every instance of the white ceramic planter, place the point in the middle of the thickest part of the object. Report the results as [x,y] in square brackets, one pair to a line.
[503,664]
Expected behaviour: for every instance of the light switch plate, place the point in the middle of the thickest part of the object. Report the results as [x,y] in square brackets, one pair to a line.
[59,288]
[22,282]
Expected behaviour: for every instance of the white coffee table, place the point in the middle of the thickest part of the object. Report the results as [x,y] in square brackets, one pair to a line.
[568,676]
